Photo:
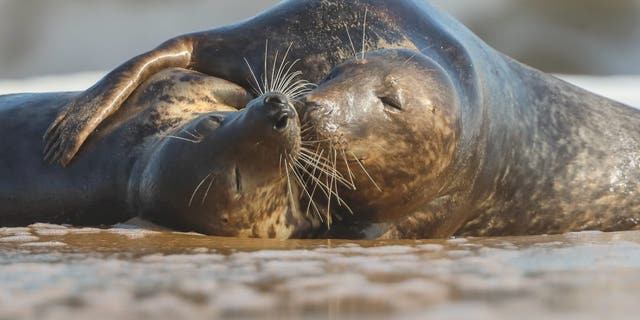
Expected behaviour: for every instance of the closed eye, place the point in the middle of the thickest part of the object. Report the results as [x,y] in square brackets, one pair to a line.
[331,76]
[391,104]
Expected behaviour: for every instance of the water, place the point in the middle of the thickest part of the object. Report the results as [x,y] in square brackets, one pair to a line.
[54,272]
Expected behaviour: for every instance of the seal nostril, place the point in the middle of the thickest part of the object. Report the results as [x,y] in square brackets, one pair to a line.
[282,123]
[274,99]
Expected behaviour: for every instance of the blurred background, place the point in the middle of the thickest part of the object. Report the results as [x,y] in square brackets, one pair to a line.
[594,37]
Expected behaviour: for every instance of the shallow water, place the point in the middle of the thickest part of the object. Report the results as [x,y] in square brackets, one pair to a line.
[55,272]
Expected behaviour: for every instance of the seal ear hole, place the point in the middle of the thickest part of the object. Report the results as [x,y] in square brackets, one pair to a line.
[391,103]
[225,219]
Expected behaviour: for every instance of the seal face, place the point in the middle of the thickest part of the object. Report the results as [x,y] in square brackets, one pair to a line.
[230,180]
[393,117]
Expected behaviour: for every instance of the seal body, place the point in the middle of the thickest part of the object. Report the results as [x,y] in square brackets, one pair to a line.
[321,34]
[534,155]
[179,154]
[495,168]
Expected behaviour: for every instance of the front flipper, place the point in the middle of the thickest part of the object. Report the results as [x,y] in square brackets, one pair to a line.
[82,116]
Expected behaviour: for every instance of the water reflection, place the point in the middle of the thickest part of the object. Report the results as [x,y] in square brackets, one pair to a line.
[127,273]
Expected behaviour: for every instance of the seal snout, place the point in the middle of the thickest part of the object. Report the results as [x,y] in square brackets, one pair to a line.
[280,111]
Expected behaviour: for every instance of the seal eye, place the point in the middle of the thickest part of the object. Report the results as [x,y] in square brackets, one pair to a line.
[331,76]
[391,104]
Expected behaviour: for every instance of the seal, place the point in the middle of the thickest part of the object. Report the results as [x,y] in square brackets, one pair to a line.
[178,154]
[493,149]
[502,134]
[320,34]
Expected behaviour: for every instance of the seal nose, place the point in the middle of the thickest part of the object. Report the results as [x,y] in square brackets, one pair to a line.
[280,111]
[275,99]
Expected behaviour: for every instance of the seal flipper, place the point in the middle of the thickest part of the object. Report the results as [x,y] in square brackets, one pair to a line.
[82,116]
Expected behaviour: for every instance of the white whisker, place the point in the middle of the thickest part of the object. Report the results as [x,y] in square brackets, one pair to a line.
[198,188]
[195,141]
[366,172]
[265,80]
[257,83]
[206,194]
[355,53]
[364,32]
[283,65]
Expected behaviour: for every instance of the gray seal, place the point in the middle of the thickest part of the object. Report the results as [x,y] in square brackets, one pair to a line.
[179,154]
[494,148]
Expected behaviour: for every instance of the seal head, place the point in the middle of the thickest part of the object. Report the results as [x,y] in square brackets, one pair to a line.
[392,109]
[229,180]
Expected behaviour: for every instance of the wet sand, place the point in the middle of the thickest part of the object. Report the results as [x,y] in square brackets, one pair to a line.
[54,272]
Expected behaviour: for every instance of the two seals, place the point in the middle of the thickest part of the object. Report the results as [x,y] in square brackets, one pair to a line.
[178,154]
[507,150]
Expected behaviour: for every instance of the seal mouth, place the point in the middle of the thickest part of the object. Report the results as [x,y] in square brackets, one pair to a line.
[282,122]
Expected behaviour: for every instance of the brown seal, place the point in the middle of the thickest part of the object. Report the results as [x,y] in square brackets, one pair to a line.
[178,154]
[530,154]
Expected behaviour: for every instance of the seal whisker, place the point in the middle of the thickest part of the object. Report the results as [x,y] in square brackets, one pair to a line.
[324,186]
[305,190]
[206,194]
[255,78]
[331,173]
[283,65]
[364,32]
[315,185]
[193,195]
[416,54]
[330,187]
[365,171]
[291,197]
[312,142]
[310,155]
[194,141]
[329,170]
[273,70]
[355,53]
[300,85]
[310,164]
[256,91]
[346,162]
[306,128]
[340,200]
[195,135]
[289,78]
[265,80]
